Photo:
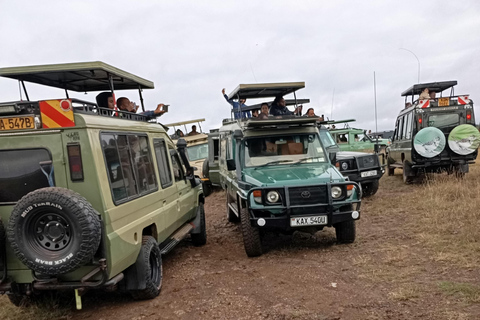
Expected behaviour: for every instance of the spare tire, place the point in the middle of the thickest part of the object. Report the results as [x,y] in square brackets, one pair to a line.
[464,139]
[54,230]
[429,142]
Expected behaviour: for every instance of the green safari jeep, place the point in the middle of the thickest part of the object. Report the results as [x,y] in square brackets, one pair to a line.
[277,175]
[90,197]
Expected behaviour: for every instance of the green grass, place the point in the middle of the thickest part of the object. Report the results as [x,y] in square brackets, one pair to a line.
[465,291]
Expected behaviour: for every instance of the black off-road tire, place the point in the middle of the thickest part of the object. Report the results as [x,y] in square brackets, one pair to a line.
[207,188]
[406,167]
[252,239]
[150,257]
[390,171]
[200,239]
[345,231]
[205,169]
[231,216]
[19,300]
[370,188]
[54,230]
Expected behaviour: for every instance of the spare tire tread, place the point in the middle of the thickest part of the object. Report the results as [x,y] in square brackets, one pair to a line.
[80,213]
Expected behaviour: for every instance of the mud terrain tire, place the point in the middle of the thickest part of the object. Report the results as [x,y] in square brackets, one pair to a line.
[199,239]
[370,188]
[251,236]
[54,230]
[345,231]
[150,258]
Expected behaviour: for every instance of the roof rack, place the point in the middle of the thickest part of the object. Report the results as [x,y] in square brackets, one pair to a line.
[432,86]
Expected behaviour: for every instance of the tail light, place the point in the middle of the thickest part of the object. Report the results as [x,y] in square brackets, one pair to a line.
[75,162]
[469,116]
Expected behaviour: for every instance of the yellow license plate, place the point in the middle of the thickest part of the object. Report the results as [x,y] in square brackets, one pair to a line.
[443,102]
[17,123]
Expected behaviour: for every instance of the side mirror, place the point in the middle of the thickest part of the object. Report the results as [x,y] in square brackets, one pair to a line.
[231,164]
[332,153]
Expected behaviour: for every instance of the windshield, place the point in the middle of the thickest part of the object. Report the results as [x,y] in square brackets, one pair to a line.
[283,149]
[443,120]
[197,152]
[327,139]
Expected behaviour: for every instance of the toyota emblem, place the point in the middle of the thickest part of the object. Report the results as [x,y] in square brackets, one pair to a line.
[305,194]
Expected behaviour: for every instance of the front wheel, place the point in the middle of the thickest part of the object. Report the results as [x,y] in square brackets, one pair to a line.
[345,231]
[370,188]
[252,240]
[150,262]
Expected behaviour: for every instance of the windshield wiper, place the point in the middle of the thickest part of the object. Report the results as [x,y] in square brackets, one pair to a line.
[304,159]
[273,162]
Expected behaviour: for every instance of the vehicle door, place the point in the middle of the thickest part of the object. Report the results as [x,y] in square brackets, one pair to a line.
[185,193]
[169,188]
[395,152]
[407,144]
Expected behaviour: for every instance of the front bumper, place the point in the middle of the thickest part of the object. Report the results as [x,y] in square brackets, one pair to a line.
[356,175]
[279,216]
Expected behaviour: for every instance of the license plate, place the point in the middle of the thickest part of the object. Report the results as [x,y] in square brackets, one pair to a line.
[308,221]
[368,173]
[17,123]
[443,102]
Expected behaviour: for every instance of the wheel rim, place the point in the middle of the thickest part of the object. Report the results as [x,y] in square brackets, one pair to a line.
[49,231]
[155,269]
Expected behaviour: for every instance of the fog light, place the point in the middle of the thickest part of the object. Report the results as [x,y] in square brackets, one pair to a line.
[355,215]
[261,222]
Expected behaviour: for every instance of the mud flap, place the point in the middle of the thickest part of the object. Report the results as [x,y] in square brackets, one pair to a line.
[196,222]
[134,275]
[462,168]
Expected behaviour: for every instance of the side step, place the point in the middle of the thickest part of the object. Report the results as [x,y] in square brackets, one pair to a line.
[234,209]
[178,236]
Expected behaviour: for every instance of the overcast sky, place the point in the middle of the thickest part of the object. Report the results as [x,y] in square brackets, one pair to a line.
[193,49]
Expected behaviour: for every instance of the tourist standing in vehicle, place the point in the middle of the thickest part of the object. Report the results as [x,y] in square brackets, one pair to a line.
[125,104]
[194,131]
[237,107]
[279,108]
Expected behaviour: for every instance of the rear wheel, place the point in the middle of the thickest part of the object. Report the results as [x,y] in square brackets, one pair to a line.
[150,262]
[407,179]
[390,171]
[370,188]
[251,236]
[345,231]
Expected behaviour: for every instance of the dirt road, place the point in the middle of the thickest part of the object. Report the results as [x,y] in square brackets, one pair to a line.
[388,273]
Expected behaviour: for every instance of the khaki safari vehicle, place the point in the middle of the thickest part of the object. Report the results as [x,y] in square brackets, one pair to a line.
[89,198]
[277,175]
[197,149]
[433,134]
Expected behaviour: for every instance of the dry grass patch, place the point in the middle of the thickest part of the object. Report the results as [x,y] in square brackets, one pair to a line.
[47,309]
[448,216]
[465,291]
[405,293]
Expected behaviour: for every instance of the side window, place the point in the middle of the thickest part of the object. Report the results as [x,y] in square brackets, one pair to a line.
[129,165]
[405,128]
[228,152]
[400,128]
[21,172]
[163,163]
[178,172]
[216,149]
[408,130]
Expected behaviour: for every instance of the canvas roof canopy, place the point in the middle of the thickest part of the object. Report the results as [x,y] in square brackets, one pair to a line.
[264,90]
[81,76]
[432,86]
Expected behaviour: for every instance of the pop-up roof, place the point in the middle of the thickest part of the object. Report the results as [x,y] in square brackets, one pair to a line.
[433,86]
[82,76]
[265,90]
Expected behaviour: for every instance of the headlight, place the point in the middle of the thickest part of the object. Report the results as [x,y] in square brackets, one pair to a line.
[273,196]
[336,192]
[344,165]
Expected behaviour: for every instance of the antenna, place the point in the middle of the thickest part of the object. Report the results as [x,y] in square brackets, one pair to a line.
[20,90]
[375,96]
[333,96]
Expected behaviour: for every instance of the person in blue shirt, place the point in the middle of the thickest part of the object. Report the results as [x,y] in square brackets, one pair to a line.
[237,107]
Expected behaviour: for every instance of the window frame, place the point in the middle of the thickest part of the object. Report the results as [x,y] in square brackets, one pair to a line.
[167,162]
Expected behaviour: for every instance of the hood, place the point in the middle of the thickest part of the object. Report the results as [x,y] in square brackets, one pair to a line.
[352,154]
[292,174]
